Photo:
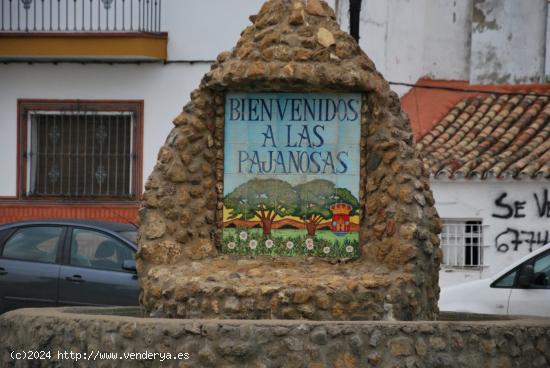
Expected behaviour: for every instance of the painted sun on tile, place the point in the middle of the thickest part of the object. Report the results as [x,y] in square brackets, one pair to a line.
[291,178]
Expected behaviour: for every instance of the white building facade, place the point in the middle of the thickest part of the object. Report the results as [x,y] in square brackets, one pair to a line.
[488,225]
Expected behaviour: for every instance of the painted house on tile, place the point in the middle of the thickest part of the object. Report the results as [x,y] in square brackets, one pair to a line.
[340,221]
[489,158]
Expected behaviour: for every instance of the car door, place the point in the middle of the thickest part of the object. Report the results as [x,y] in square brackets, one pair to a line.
[534,300]
[92,272]
[29,267]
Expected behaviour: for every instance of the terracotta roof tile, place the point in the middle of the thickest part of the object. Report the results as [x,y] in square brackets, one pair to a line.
[489,136]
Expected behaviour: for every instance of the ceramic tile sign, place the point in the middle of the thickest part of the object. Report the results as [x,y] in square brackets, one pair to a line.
[291,179]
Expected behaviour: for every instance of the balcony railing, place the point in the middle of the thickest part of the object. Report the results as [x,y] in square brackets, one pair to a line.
[80,16]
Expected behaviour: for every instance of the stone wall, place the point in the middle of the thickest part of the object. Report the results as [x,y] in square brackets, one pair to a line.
[291,46]
[270,344]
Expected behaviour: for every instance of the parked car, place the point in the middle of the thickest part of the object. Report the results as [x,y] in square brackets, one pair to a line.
[64,262]
[521,289]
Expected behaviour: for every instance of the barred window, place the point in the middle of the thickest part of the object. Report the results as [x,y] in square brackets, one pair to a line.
[461,243]
[77,151]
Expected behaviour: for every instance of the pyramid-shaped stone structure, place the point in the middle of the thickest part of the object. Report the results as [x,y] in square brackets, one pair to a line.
[291,46]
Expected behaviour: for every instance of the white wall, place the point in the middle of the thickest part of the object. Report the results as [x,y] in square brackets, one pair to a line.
[477,200]
[393,38]
[200,30]
[164,88]
[447,39]
[508,41]
[409,39]
[485,41]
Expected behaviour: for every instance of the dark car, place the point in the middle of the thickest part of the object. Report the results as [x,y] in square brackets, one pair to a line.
[64,262]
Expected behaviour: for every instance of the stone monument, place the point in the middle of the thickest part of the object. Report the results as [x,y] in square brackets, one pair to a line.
[287,214]
[289,187]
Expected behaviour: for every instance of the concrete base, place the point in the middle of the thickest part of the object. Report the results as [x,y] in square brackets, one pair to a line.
[491,342]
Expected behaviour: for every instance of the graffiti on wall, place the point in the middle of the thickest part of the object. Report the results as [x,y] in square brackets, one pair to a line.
[291,174]
[513,238]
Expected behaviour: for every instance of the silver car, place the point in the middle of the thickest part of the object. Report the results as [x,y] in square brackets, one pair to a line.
[520,289]
[64,262]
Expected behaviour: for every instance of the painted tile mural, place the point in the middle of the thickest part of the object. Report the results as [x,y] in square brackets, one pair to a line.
[291,182]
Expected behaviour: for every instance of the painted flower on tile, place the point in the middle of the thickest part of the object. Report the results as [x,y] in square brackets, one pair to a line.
[231,245]
[253,244]
[326,250]
[349,249]
[243,235]
[269,243]
[289,244]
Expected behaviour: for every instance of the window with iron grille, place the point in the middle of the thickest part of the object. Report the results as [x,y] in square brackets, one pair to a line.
[81,150]
[461,243]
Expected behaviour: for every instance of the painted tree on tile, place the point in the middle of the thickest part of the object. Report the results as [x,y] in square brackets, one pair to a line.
[315,199]
[262,198]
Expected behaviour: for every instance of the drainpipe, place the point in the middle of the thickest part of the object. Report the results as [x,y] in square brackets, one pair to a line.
[546,66]
[354,18]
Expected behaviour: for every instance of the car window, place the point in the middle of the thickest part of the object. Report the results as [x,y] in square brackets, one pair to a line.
[3,234]
[542,271]
[36,243]
[130,235]
[94,249]
[507,281]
